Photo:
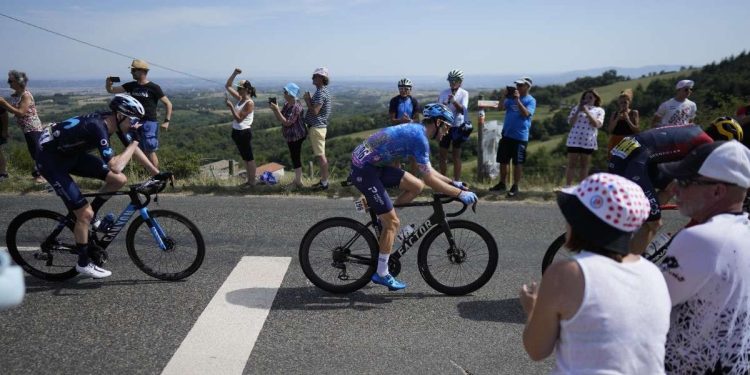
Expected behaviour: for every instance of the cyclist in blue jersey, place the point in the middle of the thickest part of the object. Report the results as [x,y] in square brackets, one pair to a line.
[372,173]
[63,150]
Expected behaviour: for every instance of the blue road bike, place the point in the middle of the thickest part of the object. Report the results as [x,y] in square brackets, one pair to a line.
[162,243]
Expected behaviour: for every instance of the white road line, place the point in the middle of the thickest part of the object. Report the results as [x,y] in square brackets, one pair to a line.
[224,335]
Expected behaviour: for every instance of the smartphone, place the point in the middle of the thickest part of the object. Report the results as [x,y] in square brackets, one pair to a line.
[272,100]
[114,79]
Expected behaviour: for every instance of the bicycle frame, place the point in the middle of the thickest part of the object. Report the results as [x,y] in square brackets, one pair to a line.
[122,220]
[438,217]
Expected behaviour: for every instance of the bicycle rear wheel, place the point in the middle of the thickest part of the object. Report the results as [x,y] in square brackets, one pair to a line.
[184,251]
[555,251]
[42,243]
[339,255]
[460,270]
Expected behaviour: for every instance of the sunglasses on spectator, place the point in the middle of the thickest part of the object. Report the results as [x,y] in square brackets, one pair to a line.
[683,183]
[10,81]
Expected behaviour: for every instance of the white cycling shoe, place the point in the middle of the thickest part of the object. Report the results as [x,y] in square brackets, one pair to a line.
[94,271]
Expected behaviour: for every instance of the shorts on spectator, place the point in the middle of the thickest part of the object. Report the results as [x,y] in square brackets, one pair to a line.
[511,149]
[580,150]
[449,140]
[318,140]
[149,133]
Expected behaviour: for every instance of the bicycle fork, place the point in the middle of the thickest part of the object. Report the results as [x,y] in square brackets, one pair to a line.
[156,230]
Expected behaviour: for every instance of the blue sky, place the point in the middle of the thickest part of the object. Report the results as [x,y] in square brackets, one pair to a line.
[367,37]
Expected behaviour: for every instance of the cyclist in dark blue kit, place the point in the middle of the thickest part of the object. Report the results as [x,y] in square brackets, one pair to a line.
[372,173]
[63,150]
[637,157]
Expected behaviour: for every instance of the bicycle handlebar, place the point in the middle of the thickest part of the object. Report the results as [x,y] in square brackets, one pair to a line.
[155,184]
[444,199]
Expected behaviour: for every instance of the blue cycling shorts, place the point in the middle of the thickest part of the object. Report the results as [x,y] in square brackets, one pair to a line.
[57,168]
[372,181]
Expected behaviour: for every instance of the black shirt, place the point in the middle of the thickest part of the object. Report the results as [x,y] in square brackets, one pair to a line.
[148,94]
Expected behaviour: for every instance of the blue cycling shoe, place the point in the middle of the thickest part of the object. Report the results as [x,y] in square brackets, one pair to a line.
[388,281]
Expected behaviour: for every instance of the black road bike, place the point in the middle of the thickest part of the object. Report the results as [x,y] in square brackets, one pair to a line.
[456,257]
[162,243]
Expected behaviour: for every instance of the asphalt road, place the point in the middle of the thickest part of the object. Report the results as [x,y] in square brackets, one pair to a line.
[131,323]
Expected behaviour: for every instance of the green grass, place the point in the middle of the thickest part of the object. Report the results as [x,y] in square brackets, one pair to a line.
[611,92]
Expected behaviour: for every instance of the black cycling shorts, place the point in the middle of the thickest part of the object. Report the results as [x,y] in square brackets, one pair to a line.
[56,168]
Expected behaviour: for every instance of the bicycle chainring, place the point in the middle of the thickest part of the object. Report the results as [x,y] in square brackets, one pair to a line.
[97,255]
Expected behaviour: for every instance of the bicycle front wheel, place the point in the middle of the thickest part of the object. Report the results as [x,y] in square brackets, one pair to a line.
[339,255]
[184,247]
[555,251]
[461,269]
[42,243]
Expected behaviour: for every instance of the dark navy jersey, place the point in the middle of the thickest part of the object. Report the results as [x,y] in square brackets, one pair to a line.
[663,144]
[80,135]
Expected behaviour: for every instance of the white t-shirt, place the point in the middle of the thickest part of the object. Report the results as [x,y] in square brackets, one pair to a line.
[582,134]
[673,112]
[707,269]
[462,97]
[622,323]
[247,122]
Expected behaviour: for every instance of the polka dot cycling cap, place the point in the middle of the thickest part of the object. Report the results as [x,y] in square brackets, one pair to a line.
[615,200]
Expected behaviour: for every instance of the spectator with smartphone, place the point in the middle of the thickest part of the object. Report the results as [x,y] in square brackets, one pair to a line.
[679,110]
[292,128]
[519,107]
[23,107]
[149,94]
[316,119]
[586,118]
[457,99]
[243,113]
[624,122]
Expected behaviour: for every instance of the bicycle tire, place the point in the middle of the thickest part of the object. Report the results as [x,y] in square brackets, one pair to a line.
[552,250]
[28,236]
[174,263]
[431,256]
[334,246]
[557,244]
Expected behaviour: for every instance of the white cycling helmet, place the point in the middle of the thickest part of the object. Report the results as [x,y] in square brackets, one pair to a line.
[404,82]
[455,75]
[128,106]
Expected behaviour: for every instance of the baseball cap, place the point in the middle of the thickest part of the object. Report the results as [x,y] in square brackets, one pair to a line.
[139,64]
[684,83]
[292,89]
[725,161]
[322,71]
[605,209]
[523,81]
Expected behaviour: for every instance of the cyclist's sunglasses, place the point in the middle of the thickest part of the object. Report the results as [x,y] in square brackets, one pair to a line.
[404,87]
[683,183]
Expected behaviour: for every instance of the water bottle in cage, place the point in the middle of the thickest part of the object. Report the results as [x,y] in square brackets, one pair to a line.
[406,231]
[103,225]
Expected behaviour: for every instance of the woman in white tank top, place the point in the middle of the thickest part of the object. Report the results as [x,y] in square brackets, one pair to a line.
[242,115]
[605,311]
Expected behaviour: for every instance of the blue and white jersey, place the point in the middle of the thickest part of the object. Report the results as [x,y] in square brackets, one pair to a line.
[79,135]
[394,142]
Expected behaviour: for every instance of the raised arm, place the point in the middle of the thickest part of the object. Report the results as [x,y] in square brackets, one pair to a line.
[230,81]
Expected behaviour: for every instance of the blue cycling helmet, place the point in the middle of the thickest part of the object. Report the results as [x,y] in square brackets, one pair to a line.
[437,110]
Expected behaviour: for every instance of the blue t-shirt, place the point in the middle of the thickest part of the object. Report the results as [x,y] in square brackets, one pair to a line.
[398,141]
[516,126]
[400,105]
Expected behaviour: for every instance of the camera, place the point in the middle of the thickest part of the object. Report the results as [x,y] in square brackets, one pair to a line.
[509,91]
[114,79]
[272,100]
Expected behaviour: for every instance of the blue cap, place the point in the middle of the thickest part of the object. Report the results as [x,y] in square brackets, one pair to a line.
[292,89]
